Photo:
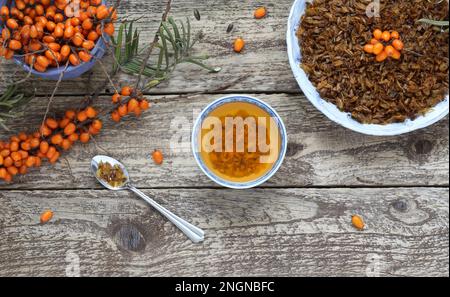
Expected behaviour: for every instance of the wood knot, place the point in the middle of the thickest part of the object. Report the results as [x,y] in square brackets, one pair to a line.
[419,150]
[128,237]
[293,148]
[408,212]
[423,147]
[400,205]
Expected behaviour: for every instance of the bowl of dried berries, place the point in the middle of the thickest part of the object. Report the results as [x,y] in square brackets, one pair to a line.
[377,74]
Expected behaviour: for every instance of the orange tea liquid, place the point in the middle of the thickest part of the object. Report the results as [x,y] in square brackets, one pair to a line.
[248,157]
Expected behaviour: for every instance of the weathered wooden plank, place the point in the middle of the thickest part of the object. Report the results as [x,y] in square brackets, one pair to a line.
[320,153]
[276,232]
[263,66]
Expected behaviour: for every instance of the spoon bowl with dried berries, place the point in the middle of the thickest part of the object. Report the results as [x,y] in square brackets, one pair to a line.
[114,176]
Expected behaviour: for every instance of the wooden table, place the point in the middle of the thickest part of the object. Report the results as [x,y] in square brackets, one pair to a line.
[298,224]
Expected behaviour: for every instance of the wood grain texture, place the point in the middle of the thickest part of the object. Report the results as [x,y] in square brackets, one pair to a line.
[263,66]
[298,225]
[320,153]
[277,232]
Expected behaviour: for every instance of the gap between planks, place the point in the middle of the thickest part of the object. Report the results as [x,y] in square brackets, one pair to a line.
[327,187]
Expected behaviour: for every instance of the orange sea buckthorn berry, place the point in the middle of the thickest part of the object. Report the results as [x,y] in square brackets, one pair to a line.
[395,35]
[70,114]
[102,12]
[34,142]
[74,60]
[386,36]
[70,129]
[4,11]
[46,216]
[398,44]
[22,136]
[44,62]
[20,4]
[260,13]
[109,29]
[381,56]
[144,105]
[51,123]
[63,123]
[12,24]
[377,34]
[56,139]
[122,110]
[48,39]
[78,39]
[6,34]
[97,124]
[59,32]
[373,41]
[23,169]
[239,45]
[66,144]
[389,50]
[55,157]
[51,152]
[39,68]
[88,45]
[132,104]
[12,170]
[82,116]
[90,112]
[56,47]
[396,55]
[30,162]
[65,51]
[87,24]
[93,36]
[157,157]
[137,111]
[84,56]
[59,18]
[15,45]
[115,116]
[28,20]
[43,147]
[75,22]
[116,98]
[37,161]
[93,131]
[368,48]
[73,137]
[85,137]
[358,222]
[26,146]
[14,147]
[69,32]
[126,91]
[378,48]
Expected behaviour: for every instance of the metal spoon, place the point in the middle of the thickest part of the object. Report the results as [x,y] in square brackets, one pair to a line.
[194,233]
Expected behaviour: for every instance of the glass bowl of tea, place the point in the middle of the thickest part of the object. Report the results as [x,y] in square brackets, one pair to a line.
[239,141]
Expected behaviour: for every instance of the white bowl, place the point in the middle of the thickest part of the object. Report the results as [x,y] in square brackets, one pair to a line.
[330,110]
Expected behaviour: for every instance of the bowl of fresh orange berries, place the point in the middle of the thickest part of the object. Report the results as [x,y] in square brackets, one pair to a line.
[48,38]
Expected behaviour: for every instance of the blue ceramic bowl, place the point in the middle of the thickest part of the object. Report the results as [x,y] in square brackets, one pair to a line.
[72,71]
[247,99]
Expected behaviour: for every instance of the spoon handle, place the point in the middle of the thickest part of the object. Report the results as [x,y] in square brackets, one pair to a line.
[194,233]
